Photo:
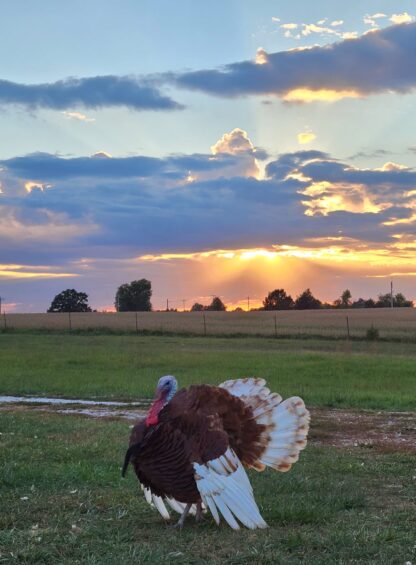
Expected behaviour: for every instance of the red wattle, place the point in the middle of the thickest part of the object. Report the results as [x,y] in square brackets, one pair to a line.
[153,416]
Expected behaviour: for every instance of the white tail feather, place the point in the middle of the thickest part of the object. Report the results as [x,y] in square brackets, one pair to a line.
[286,423]
[160,505]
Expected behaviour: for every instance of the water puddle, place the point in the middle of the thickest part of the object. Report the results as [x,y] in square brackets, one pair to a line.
[64,401]
[99,413]
[93,408]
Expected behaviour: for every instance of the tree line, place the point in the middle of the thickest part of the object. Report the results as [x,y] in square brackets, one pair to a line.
[136,297]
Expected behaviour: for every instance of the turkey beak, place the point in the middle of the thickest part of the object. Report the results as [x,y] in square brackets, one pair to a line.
[159,393]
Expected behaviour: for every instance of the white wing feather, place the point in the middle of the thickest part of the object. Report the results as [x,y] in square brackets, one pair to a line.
[225,487]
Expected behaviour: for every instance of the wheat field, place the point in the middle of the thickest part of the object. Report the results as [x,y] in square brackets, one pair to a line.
[397,323]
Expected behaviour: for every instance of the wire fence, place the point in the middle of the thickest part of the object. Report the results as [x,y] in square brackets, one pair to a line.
[385,323]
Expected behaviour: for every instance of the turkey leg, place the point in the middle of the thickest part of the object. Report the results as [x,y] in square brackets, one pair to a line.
[198,515]
[182,519]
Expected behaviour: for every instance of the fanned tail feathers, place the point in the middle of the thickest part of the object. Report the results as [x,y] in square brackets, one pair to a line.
[286,423]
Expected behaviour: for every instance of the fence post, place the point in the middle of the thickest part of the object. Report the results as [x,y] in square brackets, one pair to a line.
[205,324]
[69,321]
[348,328]
[275,325]
[137,325]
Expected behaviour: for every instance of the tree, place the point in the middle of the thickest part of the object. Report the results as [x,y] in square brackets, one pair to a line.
[197,307]
[399,301]
[217,305]
[306,301]
[384,301]
[346,298]
[344,301]
[134,296]
[70,300]
[278,300]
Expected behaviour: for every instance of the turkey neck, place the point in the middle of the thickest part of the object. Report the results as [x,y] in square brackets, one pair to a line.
[158,403]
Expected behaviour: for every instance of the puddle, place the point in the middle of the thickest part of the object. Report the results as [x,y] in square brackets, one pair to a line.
[62,401]
[99,413]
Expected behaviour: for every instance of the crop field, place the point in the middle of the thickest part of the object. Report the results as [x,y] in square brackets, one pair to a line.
[394,324]
[351,498]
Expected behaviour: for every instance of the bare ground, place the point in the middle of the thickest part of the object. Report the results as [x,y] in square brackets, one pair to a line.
[380,430]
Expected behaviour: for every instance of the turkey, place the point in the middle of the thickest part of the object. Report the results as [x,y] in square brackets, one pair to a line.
[191,450]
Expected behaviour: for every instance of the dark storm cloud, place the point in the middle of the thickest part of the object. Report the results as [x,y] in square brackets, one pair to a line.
[91,92]
[140,203]
[48,167]
[379,61]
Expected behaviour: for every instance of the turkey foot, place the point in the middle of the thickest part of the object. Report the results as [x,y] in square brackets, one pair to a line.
[179,524]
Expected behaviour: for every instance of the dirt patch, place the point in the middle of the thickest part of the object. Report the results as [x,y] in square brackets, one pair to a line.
[380,430]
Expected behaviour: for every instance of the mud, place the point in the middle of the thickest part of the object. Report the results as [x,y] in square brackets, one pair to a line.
[379,430]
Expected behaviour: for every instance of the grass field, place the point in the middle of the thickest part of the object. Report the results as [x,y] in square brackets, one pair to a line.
[375,375]
[63,500]
[393,324]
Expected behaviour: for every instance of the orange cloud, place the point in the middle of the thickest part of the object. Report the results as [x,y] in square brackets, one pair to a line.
[12,271]
[322,95]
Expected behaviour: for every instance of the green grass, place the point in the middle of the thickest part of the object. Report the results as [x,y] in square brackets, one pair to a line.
[359,374]
[335,506]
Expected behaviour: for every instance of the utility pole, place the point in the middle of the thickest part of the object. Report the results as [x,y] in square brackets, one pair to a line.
[183,303]
[248,304]
[167,304]
[391,294]
[0,305]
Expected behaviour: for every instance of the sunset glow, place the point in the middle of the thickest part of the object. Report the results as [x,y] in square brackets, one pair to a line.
[322,95]
[230,161]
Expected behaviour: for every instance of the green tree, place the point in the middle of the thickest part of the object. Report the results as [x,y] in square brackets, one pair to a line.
[70,300]
[217,305]
[197,307]
[278,300]
[306,301]
[134,296]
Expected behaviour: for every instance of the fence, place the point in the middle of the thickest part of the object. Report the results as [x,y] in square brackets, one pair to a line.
[396,323]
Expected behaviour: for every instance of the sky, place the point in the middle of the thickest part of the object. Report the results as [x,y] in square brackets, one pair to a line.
[216,149]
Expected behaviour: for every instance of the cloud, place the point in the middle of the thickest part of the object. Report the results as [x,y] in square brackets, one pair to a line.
[234,143]
[43,224]
[261,56]
[318,28]
[91,92]
[403,18]
[16,272]
[370,19]
[306,137]
[380,61]
[107,218]
[78,116]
